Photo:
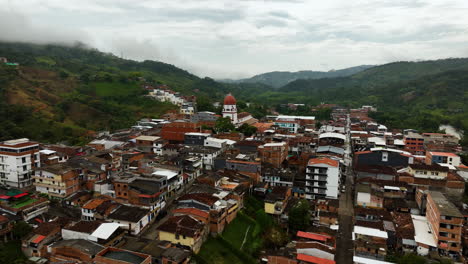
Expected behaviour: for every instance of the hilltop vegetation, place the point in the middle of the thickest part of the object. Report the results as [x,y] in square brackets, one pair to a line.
[278,79]
[420,95]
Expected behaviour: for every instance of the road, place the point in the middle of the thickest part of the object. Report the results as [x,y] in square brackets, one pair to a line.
[344,243]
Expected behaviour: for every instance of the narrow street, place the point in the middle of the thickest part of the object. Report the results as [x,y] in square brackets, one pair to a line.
[344,248]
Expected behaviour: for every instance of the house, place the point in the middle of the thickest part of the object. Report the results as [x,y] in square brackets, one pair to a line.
[49,157]
[207,154]
[368,197]
[175,255]
[149,144]
[98,208]
[446,223]
[383,157]
[322,178]
[6,228]
[106,234]
[370,242]
[442,158]
[105,144]
[293,123]
[196,139]
[143,192]
[34,244]
[222,209]
[121,256]
[131,218]
[18,158]
[175,131]
[278,177]
[184,230]
[273,153]
[58,180]
[423,235]
[74,251]
[22,204]
[277,200]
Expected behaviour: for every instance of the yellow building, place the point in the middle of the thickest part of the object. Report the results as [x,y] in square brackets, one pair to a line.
[184,230]
[277,200]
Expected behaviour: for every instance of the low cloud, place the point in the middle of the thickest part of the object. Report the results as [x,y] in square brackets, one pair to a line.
[15,27]
[232,39]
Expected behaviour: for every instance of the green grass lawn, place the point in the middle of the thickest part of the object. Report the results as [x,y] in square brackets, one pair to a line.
[237,229]
[214,252]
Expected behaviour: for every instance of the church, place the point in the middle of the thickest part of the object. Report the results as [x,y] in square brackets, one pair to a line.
[230,110]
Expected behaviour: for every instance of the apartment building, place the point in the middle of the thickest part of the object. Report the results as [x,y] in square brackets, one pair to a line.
[414,143]
[18,158]
[58,180]
[446,224]
[322,178]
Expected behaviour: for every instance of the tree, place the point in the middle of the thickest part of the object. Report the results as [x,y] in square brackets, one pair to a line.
[247,129]
[21,229]
[275,237]
[411,259]
[224,124]
[299,216]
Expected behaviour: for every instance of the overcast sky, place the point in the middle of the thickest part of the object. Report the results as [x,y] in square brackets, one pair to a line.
[240,38]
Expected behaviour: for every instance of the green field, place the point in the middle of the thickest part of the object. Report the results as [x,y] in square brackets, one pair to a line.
[215,252]
[238,230]
[241,239]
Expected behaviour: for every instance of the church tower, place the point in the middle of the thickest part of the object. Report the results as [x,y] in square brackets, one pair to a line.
[230,108]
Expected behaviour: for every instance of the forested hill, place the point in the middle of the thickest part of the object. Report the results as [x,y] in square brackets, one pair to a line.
[61,93]
[280,78]
[381,75]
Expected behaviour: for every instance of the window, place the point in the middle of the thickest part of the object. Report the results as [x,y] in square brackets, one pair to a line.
[384,156]
[23,160]
[25,167]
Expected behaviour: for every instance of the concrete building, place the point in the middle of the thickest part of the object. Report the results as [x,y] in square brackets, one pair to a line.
[18,158]
[273,153]
[414,143]
[195,138]
[58,180]
[446,224]
[149,144]
[322,178]
[442,158]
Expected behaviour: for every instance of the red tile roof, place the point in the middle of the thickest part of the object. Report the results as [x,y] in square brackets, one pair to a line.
[443,154]
[192,211]
[312,259]
[313,236]
[330,162]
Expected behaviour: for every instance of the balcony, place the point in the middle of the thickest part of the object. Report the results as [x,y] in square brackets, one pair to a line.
[46,185]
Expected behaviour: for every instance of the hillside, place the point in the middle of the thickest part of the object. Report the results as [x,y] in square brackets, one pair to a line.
[278,79]
[420,95]
[60,93]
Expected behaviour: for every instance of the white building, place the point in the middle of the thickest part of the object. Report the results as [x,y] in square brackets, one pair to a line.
[322,178]
[17,160]
[215,143]
[230,108]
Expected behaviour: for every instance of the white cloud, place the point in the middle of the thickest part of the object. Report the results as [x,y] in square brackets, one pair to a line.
[227,38]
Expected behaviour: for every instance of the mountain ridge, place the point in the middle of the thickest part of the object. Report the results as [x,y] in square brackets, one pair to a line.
[277,79]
